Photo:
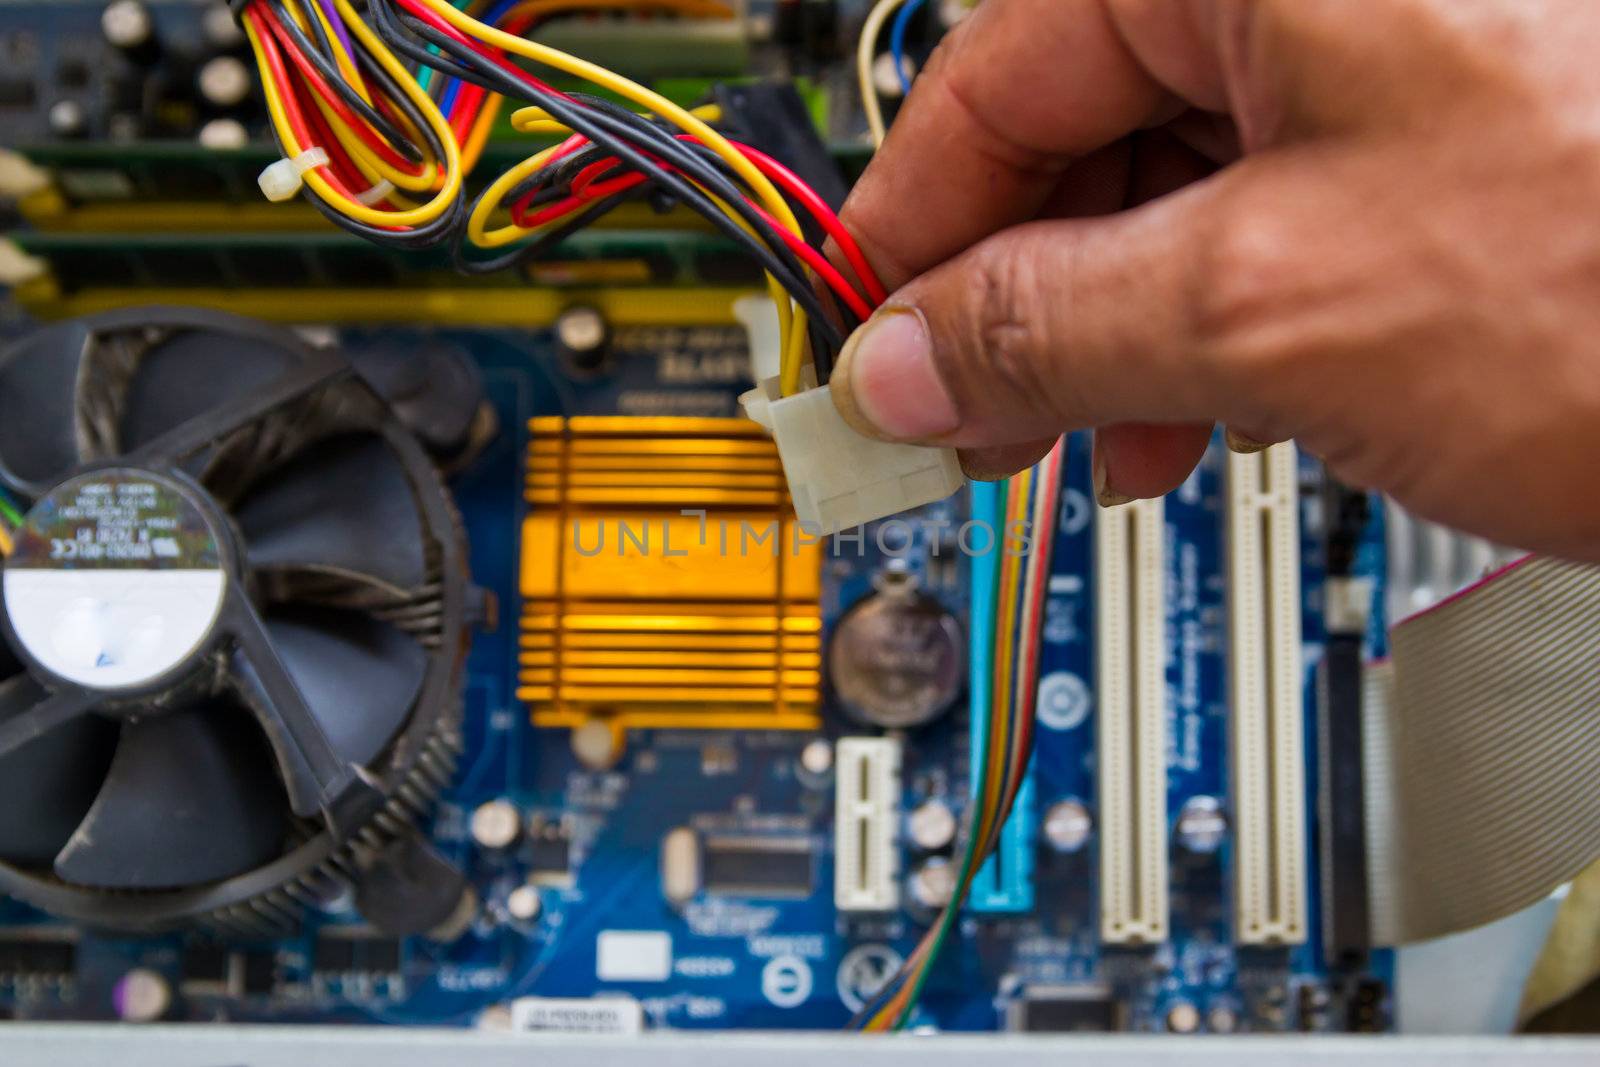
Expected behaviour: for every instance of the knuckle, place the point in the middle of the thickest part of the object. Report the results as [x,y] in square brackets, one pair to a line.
[1241,305]
[1007,326]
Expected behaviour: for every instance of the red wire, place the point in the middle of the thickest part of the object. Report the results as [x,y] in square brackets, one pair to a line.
[586,189]
[429,16]
[319,85]
[340,174]
[818,208]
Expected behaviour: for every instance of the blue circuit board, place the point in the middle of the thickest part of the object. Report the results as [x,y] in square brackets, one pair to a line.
[736,961]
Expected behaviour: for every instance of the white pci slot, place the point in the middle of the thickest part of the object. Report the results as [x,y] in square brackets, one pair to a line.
[1131,721]
[866,874]
[1268,773]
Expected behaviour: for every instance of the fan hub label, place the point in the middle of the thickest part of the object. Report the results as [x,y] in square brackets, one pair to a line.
[117,579]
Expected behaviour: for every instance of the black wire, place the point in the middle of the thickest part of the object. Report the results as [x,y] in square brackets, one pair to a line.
[617,129]
[536,247]
[602,126]
[426,236]
[346,91]
[374,71]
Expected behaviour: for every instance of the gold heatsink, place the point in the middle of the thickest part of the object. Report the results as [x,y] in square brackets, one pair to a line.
[644,616]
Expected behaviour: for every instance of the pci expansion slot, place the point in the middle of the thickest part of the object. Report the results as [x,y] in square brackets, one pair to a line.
[1131,721]
[1267,697]
[866,819]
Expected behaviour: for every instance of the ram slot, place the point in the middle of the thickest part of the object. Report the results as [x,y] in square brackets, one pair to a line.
[1268,773]
[1131,721]
[866,816]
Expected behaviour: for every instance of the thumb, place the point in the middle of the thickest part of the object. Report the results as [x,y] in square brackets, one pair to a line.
[1047,327]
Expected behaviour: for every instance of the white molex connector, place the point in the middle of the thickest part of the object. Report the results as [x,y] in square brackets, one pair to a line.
[1131,721]
[284,179]
[837,478]
[1268,700]
[866,872]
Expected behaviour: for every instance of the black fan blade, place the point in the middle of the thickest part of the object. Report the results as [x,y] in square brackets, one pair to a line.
[28,713]
[9,665]
[50,780]
[345,507]
[210,424]
[38,390]
[194,372]
[190,798]
[360,676]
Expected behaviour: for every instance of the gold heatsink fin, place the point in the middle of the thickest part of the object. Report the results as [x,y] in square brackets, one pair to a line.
[653,618]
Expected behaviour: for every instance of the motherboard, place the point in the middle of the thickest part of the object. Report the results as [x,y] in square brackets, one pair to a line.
[683,869]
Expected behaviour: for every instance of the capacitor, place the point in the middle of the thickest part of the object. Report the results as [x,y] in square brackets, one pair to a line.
[884,78]
[1222,1019]
[584,336]
[496,824]
[524,904]
[1202,825]
[68,118]
[932,825]
[224,82]
[897,659]
[680,865]
[131,29]
[599,743]
[1068,826]
[1183,1018]
[224,135]
[221,29]
[141,996]
[933,883]
[816,759]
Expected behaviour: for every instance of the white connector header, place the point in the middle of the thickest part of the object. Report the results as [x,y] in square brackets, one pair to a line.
[837,478]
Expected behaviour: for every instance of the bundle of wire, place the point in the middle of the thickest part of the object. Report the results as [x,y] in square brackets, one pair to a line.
[335,81]
[10,520]
[1009,589]
[903,12]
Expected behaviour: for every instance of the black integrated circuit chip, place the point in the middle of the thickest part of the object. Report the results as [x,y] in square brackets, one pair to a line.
[549,853]
[343,952]
[1066,1012]
[38,957]
[205,963]
[758,866]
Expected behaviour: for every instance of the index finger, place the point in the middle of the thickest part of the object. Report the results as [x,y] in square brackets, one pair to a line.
[1017,92]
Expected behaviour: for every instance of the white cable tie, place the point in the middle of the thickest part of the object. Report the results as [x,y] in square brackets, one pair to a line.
[377,194]
[283,180]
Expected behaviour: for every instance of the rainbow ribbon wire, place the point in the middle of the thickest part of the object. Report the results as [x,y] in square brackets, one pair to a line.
[1009,587]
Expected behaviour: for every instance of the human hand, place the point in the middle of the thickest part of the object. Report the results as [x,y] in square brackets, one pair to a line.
[1369,227]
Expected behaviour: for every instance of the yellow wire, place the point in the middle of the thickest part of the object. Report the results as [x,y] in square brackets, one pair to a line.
[866,52]
[419,216]
[537,120]
[703,8]
[345,61]
[792,319]
[7,545]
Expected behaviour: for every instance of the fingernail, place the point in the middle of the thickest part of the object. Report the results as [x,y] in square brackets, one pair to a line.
[1238,442]
[1105,496]
[891,388]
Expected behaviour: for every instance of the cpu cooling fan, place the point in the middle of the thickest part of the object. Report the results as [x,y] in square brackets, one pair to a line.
[234,627]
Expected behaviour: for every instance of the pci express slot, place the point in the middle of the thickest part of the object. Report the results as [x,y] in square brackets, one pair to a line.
[1268,729]
[866,818]
[1004,884]
[1131,721]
